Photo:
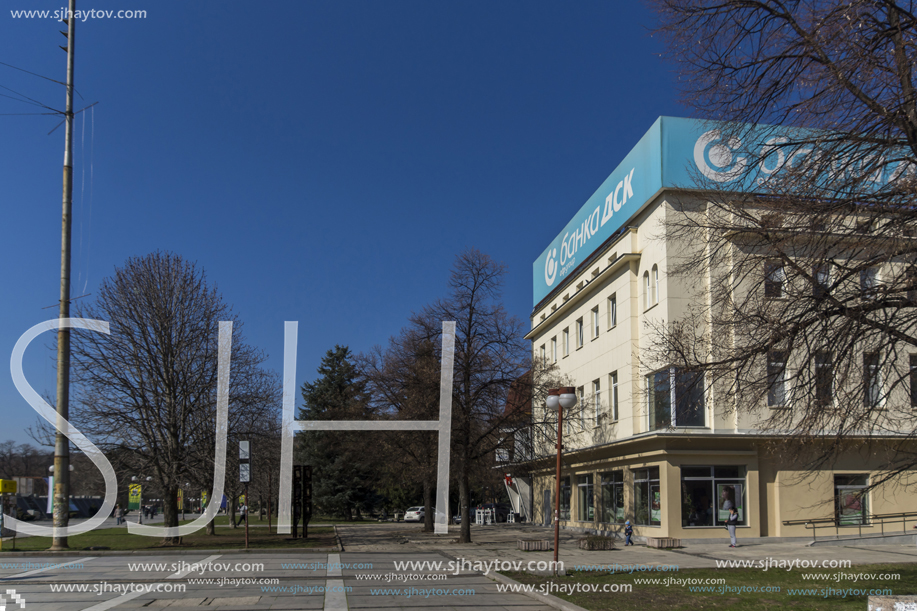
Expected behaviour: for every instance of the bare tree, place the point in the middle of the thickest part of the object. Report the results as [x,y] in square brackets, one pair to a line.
[404,383]
[23,460]
[149,388]
[804,241]
[490,354]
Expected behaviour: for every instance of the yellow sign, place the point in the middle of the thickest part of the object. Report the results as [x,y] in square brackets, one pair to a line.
[133,496]
[181,500]
[241,499]
[7,486]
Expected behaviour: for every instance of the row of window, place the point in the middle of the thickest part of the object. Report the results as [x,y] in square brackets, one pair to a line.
[707,495]
[651,288]
[675,397]
[595,404]
[580,331]
[651,298]
[775,281]
[873,384]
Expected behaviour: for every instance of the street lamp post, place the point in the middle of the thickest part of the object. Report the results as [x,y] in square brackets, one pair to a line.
[184,500]
[558,399]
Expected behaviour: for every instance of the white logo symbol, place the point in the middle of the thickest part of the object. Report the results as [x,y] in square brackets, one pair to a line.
[17,599]
[720,156]
[550,268]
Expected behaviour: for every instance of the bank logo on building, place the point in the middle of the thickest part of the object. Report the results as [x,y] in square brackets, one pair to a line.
[715,158]
[550,268]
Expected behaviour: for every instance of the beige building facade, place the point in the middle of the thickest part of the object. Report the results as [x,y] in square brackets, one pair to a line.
[652,444]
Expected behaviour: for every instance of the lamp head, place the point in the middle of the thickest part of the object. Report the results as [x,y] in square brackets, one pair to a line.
[567,397]
[553,399]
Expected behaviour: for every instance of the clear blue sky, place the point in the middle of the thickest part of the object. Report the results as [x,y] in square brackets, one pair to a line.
[322,161]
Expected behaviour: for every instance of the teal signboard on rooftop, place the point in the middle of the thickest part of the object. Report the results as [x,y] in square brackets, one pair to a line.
[684,154]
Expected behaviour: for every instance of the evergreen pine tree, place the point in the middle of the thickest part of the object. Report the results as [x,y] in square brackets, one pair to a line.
[342,471]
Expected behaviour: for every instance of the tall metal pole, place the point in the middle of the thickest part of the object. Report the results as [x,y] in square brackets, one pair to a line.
[62,444]
[560,422]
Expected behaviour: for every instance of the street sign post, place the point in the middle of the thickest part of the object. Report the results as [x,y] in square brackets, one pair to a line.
[245,476]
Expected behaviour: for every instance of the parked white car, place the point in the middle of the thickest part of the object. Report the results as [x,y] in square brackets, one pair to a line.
[415,514]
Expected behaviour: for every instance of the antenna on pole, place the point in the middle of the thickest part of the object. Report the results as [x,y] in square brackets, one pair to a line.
[62,444]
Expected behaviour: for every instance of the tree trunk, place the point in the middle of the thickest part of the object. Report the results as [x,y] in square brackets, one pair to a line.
[211,525]
[170,512]
[428,505]
[465,532]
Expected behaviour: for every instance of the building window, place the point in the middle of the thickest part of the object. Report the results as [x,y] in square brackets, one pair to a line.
[655,284]
[824,378]
[554,349]
[613,382]
[707,493]
[869,281]
[774,279]
[675,386]
[872,380]
[851,499]
[612,311]
[597,396]
[566,341]
[595,322]
[544,355]
[776,379]
[647,497]
[501,453]
[585,499]
[579,333]
[581,402]
[821,274]
[613,497]
[913,380]
[565,498]
[647,294]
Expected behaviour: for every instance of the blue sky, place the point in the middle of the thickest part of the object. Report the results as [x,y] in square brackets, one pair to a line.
[322,161]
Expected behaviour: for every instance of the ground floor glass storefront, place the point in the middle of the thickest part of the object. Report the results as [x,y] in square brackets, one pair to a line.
[708,492]
[613,497]
[647,497]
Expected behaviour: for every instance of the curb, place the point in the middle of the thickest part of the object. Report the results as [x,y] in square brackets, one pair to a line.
[547,599]
[171,552]
[339,543]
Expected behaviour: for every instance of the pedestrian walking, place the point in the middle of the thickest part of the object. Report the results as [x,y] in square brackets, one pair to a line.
[119,514]
[731,523]
[628,533]
[242,511]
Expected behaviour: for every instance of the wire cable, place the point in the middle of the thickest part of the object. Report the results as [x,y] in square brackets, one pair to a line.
[39,76]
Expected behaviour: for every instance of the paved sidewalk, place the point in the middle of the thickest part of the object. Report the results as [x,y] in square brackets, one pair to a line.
[498,542]
[372,573]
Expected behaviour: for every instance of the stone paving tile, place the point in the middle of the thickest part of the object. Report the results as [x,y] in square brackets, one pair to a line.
[380,547]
